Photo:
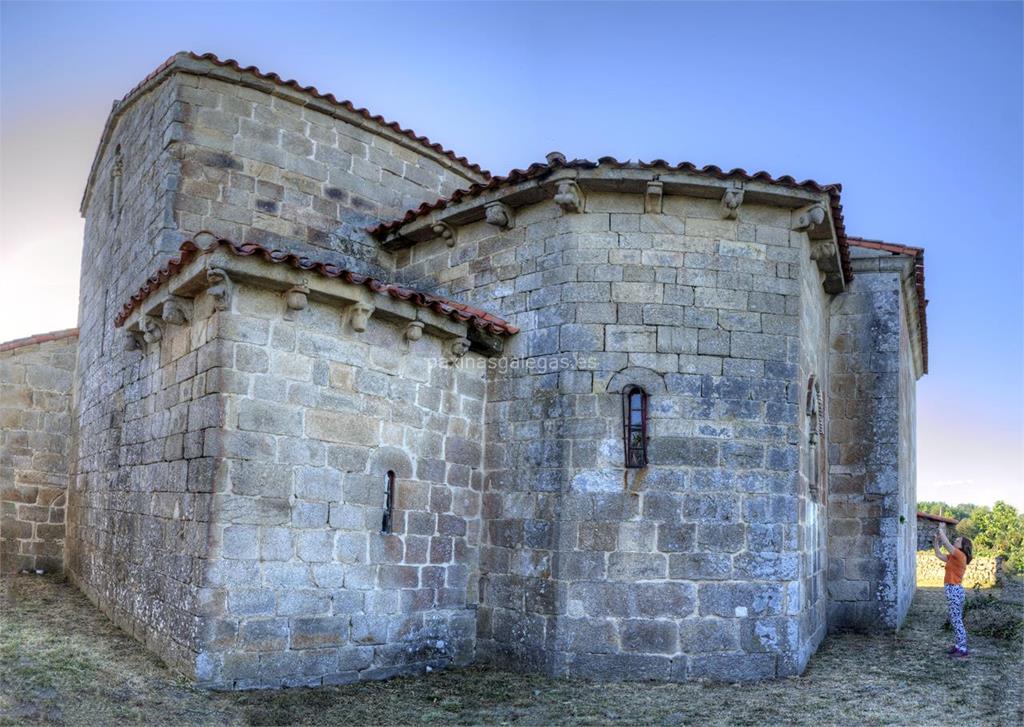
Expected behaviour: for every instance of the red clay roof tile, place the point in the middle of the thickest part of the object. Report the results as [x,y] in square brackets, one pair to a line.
[922,302]
[538,171]
[190,251]
[936,518]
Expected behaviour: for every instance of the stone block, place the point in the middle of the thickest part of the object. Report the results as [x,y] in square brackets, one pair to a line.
[689,451]
[637,566]
[722,599]
[700,566]
[319,632]
[701,635]
[648,637]
[733,667]
[589,636]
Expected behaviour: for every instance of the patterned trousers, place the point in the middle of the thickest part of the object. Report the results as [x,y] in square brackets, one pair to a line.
[956,596]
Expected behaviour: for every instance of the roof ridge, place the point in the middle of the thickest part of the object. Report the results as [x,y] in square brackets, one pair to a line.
[38,338]
[191,250]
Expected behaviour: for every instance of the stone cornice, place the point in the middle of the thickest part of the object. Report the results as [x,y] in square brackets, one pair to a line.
[812,212]
[218,275]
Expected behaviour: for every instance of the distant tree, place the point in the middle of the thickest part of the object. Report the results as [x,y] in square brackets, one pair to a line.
[999,531]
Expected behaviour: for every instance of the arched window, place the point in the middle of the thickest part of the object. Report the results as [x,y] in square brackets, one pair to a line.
[814,424]
[387,524]
[634,426]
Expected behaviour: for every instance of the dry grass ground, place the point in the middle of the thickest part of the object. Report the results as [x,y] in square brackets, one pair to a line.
[62,662]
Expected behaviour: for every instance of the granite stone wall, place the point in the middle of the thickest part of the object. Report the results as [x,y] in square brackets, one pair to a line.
[192,151]
[303,587]
[35,453]
[872,522]
[264,163]
[123,546]
[692,567]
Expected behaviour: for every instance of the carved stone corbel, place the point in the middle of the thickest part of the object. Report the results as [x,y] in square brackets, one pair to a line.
[653,197]
[295,299]
[456,349]
[445,232]
[176,310]
[499,214]
[569,196]
[809,217]
[822,250]
[134,340]
[221,288]
[359,316]
[152,329]
[731,201]
[414,331]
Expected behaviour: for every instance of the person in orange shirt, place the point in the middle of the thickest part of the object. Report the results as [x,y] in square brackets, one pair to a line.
[960,553]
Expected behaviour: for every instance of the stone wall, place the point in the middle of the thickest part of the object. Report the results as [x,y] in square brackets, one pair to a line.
[693,566]
[131,413]
[264,163]
[812,434]
[931,571]
[303,587]
[185,152]
[35,432]
[872,523]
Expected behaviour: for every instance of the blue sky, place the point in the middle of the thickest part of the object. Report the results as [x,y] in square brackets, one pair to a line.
[915,108]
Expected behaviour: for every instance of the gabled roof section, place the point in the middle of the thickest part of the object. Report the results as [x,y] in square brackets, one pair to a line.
[186,61]
[936,518]
[556,162]
[189,251]
[38,338]
[917,253]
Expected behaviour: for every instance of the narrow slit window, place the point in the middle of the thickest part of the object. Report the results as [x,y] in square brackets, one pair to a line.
[116,172]
[634,426]
[387,522]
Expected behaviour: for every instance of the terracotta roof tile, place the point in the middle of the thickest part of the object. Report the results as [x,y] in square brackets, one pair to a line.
[539,171]
[38,338]
[936,518]
[922,302]
[190,251]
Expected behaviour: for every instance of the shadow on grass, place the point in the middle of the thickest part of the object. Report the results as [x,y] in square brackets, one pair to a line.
[62,662]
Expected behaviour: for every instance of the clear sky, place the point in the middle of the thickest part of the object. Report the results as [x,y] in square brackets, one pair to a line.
[916,108]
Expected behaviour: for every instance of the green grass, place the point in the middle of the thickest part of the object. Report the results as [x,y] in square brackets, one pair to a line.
[63,662]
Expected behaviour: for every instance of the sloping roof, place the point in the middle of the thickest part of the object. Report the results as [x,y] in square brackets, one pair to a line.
[936,518]
[178,59]
[539,171]
[189,251]
[922,301]
[38,338]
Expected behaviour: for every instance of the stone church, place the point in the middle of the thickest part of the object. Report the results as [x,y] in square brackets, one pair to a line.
[343,405]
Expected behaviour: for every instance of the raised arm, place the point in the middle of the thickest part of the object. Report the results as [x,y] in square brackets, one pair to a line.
[942,537]
[938,553]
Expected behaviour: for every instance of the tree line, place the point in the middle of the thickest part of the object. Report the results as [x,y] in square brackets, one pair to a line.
[996,530]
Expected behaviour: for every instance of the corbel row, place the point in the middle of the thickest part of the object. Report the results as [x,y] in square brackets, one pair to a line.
[179,311]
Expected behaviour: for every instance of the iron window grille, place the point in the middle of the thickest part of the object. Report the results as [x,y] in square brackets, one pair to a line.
[634,426]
